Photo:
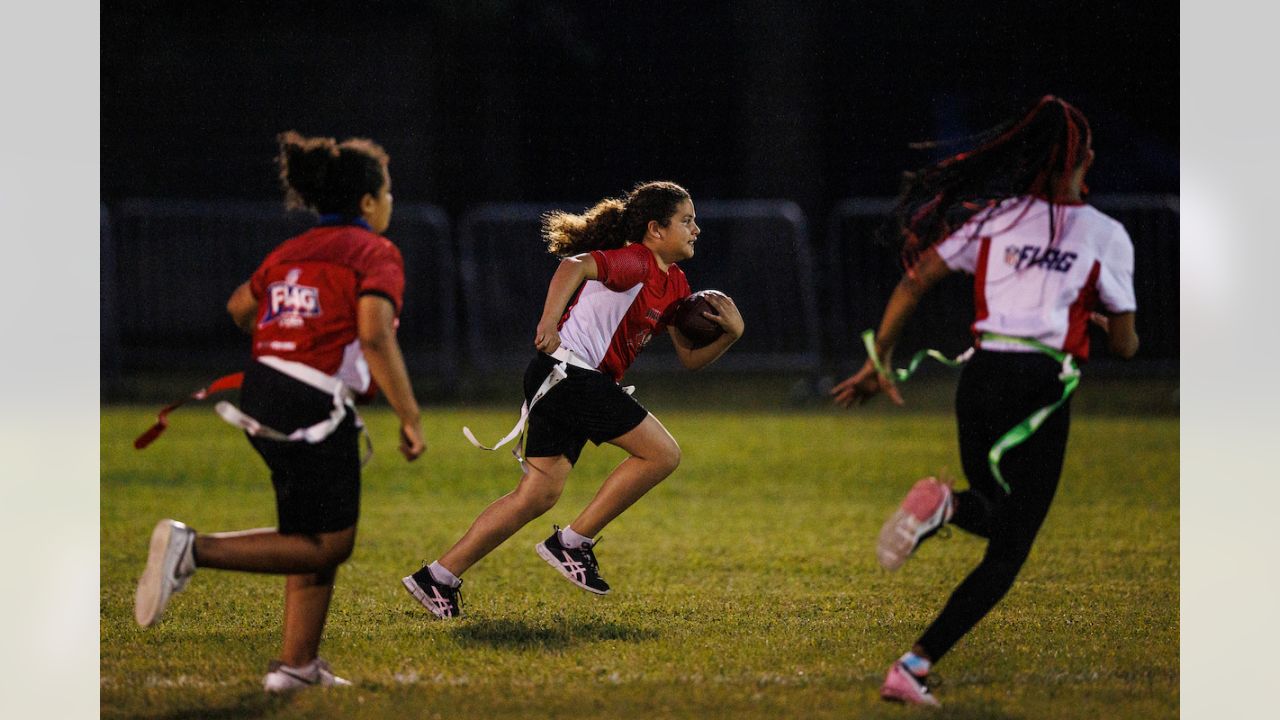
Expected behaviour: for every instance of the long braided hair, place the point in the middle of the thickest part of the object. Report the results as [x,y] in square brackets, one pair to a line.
[1034,154]
[612,222]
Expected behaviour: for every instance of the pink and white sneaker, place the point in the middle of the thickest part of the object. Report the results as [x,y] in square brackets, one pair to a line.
[901,686]
[925,508]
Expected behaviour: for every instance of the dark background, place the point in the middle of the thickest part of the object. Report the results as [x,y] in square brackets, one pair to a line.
[559,103]
[553,99]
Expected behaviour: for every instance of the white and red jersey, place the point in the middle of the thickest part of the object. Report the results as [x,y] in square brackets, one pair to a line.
[1027,285]
[612,318]
[307,290]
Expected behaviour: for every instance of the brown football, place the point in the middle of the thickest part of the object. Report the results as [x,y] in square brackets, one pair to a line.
[691,323]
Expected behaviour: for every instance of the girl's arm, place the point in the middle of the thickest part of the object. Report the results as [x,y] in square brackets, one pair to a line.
[572,272]
[1122,338]
[375,323]
[866,383]
[727,316]
[243,307]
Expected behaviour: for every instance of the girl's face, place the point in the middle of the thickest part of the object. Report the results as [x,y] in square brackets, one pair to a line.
[674,242]
[376,209]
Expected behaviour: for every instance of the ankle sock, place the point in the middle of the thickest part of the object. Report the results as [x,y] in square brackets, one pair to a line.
[915,664]
[443,576]
[571,539]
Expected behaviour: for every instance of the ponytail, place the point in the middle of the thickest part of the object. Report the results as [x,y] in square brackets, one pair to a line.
[612,222]
[324,176]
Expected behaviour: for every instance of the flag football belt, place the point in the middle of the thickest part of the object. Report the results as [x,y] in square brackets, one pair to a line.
[1069,377]
[343,402]
[559,372]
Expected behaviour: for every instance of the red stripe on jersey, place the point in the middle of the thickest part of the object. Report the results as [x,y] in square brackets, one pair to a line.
[980,286]
[1077,339]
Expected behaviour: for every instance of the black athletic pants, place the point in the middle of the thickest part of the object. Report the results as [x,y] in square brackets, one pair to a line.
[998,390]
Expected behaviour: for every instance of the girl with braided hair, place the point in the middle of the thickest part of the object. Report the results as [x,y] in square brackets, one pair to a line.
[615,288]
[1012,213]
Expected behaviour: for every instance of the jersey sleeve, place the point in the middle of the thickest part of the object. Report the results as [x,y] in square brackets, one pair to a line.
[381,273]
[681,291]
[1115,281]
[623,268]
[959,250]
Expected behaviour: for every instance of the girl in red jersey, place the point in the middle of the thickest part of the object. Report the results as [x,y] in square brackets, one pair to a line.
[1012,213]
[322,310]
[611,293]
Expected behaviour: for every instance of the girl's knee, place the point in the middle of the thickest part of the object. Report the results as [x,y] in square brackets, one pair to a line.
[336,547]
[537,500]
[669,458]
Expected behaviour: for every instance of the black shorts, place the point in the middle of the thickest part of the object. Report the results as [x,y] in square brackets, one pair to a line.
[317,486]
[586,405]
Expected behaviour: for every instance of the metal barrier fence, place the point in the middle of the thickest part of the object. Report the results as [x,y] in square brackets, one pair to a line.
[176,263]
[167,267]
[756,251]
[861,273]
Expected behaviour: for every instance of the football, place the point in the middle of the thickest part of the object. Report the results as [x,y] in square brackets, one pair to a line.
[689,320]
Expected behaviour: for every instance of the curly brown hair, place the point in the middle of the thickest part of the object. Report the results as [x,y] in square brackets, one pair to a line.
[325,176]
[612,222]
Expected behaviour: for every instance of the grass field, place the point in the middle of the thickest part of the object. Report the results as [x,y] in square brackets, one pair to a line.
[745,586]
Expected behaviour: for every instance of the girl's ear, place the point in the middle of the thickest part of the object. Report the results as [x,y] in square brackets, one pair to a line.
[654,228]
[368,204]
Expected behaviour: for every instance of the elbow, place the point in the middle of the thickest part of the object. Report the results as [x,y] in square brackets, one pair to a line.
[1125,348]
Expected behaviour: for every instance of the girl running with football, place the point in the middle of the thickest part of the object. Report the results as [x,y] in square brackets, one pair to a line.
[322,310]
[1011,212]
[615,288]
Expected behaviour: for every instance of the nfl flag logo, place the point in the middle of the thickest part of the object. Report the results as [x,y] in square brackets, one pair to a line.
[290,303]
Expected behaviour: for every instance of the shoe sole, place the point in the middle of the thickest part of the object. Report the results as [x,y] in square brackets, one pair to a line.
[421,596]
[545,554]
[901,533]
[153,592]
[897,539]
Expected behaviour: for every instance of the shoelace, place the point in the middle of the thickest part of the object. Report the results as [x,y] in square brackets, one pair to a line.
[589,556]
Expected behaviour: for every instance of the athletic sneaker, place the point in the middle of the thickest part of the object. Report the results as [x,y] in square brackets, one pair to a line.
[442,600]
[281,678]
[577,565]
[170,564]
[900,685]
[925,508]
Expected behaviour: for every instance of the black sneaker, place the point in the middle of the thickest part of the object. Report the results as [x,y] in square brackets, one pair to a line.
[577,565]
[443,601]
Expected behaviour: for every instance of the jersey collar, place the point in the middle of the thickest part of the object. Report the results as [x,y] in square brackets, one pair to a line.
[340,219]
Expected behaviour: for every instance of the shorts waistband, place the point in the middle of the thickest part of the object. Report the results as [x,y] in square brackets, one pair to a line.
[564,354]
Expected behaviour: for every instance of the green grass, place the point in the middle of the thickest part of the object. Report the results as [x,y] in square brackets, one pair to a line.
[745,586]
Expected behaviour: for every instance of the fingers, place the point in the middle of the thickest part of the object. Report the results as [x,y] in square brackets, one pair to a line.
[891,390]
[411,443]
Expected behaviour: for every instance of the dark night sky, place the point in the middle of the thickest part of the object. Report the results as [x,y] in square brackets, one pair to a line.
[515,100]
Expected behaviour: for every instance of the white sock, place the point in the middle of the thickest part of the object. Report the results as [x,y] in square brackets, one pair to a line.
[571,539]
[442,575]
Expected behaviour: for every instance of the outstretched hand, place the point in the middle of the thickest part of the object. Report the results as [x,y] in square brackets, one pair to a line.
[864,385]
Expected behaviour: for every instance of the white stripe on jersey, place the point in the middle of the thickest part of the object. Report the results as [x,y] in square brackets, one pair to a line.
[594,319]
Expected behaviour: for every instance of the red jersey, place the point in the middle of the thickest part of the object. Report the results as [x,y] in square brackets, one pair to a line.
[307,290]
[613,317]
